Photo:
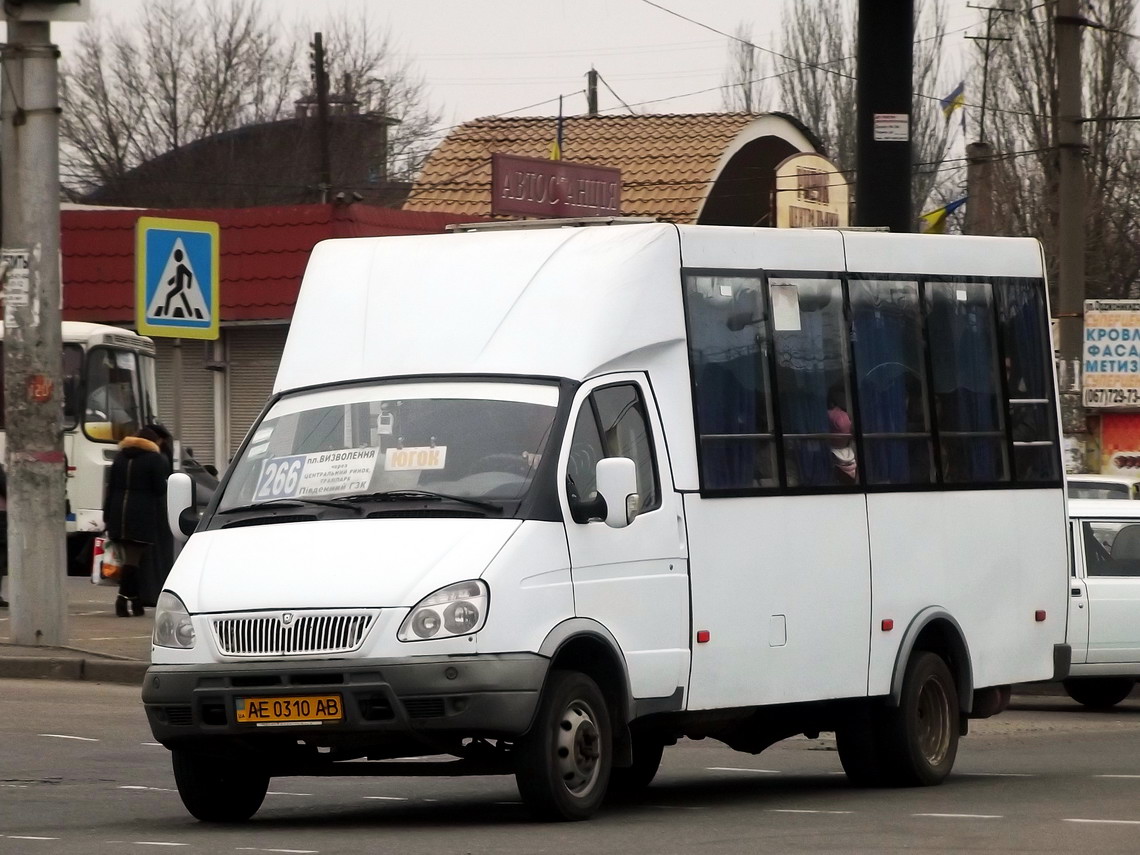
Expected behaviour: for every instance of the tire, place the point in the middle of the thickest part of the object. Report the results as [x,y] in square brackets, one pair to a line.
[562,766]
[920,737]
[218,789]
[631,781]
[1099,693]
[858,743]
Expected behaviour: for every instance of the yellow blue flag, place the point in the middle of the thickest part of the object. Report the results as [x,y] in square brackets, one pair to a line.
[934,222]
[954,100]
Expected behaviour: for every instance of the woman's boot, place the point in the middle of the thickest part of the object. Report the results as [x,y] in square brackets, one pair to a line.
[137,607]
[121,606]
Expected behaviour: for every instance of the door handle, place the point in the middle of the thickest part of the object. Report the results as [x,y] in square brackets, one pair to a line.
[1076,592]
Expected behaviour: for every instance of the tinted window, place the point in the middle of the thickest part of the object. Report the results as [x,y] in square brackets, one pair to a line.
[810,335]
[729,349]
[886,318]
[1112,548]
[967,392]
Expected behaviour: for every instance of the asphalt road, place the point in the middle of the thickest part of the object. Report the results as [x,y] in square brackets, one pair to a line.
[78,774]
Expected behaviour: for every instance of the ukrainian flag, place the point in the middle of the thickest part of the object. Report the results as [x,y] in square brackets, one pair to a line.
[954,100]
[934,223]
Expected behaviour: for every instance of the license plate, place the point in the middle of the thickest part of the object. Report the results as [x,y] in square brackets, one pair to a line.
[301,709]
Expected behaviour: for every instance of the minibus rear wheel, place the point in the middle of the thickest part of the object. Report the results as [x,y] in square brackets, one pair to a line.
[562,766]
[920,735]
[218,789]
[1099,693]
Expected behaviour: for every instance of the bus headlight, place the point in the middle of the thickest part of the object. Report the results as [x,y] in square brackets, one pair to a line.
[172,624]
[459,609]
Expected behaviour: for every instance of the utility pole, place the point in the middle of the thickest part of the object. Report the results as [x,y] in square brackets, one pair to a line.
[29,108]
[980,154]
[321,84]
[592,92]
[883,96]
[1070,213]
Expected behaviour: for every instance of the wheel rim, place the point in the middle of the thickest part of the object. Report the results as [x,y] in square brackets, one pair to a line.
[577,748]
[933,718]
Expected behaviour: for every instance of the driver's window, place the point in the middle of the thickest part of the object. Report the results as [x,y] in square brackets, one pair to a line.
[612,423]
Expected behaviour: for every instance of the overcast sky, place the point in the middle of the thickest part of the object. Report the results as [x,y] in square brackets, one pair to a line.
[495,57]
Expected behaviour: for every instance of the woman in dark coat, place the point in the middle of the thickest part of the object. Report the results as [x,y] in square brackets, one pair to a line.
[133,510]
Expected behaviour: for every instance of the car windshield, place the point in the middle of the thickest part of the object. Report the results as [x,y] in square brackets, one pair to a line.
[471,440]
[1098,490]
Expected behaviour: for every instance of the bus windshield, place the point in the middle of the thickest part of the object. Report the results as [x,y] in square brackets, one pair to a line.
[473,440]
[114,405]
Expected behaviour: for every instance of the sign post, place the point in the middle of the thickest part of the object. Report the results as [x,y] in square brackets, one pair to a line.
[177,292]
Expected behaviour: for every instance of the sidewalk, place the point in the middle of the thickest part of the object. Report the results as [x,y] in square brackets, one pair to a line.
[101,647]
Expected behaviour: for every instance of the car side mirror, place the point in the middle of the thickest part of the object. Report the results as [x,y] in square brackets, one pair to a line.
[181,515]
[617,485]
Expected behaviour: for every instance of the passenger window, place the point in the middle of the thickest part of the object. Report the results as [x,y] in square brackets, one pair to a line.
[612,423]
[891,376]
[1112,548]
[970,421]
[729,349]
[810,336]
[1025,341]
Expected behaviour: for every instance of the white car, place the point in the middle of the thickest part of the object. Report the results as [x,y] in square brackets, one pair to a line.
[1101,487]
[1104,601]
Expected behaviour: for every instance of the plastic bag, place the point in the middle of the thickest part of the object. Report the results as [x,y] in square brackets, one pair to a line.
[106,562]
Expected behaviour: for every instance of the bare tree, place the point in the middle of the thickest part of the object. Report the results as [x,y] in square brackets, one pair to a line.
[817,85]
[743,86]
[1021,119]
[191,70]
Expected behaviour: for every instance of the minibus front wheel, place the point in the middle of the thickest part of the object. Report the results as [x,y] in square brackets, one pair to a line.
[218,789]
[562,766]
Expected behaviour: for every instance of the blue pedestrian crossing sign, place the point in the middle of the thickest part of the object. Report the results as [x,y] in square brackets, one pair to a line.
[176,278]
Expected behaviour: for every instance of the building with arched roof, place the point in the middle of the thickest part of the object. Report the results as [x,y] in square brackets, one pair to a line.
[710,168]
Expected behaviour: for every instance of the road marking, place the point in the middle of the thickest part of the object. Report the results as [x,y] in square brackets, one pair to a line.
[274,793]
[800,810]
[64,736]
[961,815]
[996,775]
[157,843]
[294,851]
[28,837]
[152,789]
[1116,776]
[1106,821]
[117,638]
[387,798]
[156,744]
[738,769]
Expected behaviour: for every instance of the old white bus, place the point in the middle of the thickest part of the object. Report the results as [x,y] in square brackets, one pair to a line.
[547,500]
[108,393]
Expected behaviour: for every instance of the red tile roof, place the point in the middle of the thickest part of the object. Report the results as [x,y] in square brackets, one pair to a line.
[668,162]
[263,253]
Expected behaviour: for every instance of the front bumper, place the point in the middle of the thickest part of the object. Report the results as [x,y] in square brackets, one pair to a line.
[433,697]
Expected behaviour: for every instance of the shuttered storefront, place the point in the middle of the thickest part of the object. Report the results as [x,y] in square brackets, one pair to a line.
[254,354]
[195,389]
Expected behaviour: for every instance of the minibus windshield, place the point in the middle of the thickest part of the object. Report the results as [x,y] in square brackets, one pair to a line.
[469,440]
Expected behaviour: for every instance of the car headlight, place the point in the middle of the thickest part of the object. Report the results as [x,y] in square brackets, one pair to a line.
[172,624]
[459,609]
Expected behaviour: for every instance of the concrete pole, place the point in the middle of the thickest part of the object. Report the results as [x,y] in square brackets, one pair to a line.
[1070,213]
[979,189]
[29,107]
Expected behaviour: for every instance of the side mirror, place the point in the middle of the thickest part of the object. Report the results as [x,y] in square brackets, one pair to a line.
[617,484]
[212,469]
[180,513]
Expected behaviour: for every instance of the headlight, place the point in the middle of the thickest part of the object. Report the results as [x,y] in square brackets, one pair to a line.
[172,624]
[459,609]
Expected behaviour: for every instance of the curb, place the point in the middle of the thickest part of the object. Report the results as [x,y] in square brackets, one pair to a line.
[128,673]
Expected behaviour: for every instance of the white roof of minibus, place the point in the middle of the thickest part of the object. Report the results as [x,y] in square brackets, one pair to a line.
[74,331]
[1103,509]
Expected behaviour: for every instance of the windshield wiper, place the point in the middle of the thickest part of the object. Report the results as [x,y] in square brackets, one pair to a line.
[343,503]
[397,495]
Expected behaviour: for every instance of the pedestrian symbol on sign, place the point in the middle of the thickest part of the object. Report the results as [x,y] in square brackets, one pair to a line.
[176,282]
[178,295]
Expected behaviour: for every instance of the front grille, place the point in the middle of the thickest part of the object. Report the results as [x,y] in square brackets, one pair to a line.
[293,633]
[179,715]
[423,707]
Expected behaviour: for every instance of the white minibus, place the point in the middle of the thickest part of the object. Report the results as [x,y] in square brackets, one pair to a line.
[108,393]
[544,500]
